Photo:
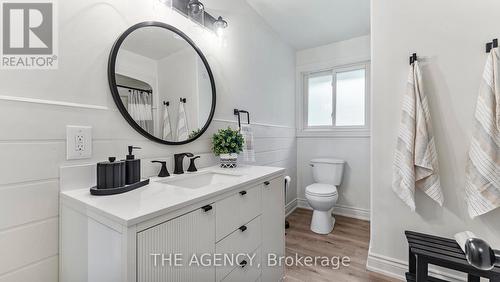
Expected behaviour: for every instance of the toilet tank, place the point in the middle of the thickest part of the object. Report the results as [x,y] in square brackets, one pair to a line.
[328,171]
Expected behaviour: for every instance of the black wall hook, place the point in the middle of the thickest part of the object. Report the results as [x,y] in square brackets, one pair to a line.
[491,45]
[183,100]
[166,103]
[413,58]
[238,113]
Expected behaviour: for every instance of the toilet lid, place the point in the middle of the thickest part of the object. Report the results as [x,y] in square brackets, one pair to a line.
[320,189]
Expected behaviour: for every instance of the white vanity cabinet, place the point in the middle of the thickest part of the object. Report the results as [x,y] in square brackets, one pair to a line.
[273,227]
[187,235]
[199,236]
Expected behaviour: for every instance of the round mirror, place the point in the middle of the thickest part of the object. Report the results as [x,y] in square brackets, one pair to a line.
[162,83]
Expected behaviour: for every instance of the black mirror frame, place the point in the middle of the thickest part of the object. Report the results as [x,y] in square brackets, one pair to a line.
[114,88]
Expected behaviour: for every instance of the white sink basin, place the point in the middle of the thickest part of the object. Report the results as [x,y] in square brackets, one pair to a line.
[201,180]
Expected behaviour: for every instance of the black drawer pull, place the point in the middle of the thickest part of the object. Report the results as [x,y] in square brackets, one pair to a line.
[206,208]
[243,263]
[267,183]
[243,228]
[243,193]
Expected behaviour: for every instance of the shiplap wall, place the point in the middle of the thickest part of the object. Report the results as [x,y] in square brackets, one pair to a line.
[254,70]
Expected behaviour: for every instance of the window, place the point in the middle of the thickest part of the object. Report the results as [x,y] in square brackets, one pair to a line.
[335,99]
[350,98]
[320,106]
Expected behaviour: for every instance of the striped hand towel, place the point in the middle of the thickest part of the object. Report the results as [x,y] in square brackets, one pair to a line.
[182,127]
[167,128]
[416,164]
[482,187]
[248,152]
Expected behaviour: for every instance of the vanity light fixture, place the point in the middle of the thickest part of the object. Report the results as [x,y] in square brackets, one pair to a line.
[195,11]
[195,7]
[220,25]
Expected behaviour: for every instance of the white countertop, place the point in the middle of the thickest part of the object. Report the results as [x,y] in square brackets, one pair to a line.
[158,198]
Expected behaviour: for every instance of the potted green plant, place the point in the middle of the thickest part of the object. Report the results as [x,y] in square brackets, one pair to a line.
[227,143]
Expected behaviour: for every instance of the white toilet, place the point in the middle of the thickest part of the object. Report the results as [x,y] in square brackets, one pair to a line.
[322,195]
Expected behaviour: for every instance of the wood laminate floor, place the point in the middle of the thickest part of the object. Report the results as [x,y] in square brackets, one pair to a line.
[350,238]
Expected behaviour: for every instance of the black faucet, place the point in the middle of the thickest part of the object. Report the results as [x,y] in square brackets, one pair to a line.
[163,170]
[192,165]
[178,158]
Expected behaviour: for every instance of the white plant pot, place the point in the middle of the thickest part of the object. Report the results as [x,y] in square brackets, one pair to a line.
[228,160]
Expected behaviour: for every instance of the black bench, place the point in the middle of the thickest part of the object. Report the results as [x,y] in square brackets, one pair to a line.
[427,249]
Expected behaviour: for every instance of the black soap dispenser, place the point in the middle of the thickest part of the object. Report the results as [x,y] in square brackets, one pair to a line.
[132,167]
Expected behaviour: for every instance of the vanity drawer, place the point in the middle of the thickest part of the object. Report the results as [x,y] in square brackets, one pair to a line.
[249,272]
[188,234]
[237,210]
[239,242]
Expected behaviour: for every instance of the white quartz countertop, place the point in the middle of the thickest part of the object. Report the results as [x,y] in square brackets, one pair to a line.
[159,198]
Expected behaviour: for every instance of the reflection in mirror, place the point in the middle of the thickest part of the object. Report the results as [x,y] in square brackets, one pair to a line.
[133,94]
[163,84]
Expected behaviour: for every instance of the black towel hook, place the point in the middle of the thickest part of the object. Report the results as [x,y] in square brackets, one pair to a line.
[413,58]
[183,100]
[491,45]
[166,103]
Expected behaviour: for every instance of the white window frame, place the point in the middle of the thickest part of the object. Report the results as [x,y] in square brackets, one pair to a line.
[304,130]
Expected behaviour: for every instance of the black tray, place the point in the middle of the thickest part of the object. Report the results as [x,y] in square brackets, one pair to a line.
[119,190]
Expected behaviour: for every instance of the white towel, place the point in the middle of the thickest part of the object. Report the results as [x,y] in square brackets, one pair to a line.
[182,127]
[167,128]
[483,165]
[416,164]
[248,153]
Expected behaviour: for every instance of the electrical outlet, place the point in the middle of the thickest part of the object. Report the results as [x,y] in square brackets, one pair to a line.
[78,142]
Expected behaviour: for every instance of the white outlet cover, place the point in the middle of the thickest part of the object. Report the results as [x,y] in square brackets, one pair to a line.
[78,142]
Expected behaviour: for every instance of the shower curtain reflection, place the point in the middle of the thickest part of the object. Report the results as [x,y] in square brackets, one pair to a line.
[140,108]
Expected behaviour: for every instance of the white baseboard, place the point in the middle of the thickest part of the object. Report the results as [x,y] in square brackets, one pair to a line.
[352,212]
[397,268]
[387,266]
[301,203]
[290,207]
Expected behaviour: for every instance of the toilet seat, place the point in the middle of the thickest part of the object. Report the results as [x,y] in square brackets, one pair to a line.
[321,190]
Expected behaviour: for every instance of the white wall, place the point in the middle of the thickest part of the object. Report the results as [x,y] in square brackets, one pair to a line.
[336,54]
[179,71]
[354,193]
[254,71]
[449,37]
[138,67]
